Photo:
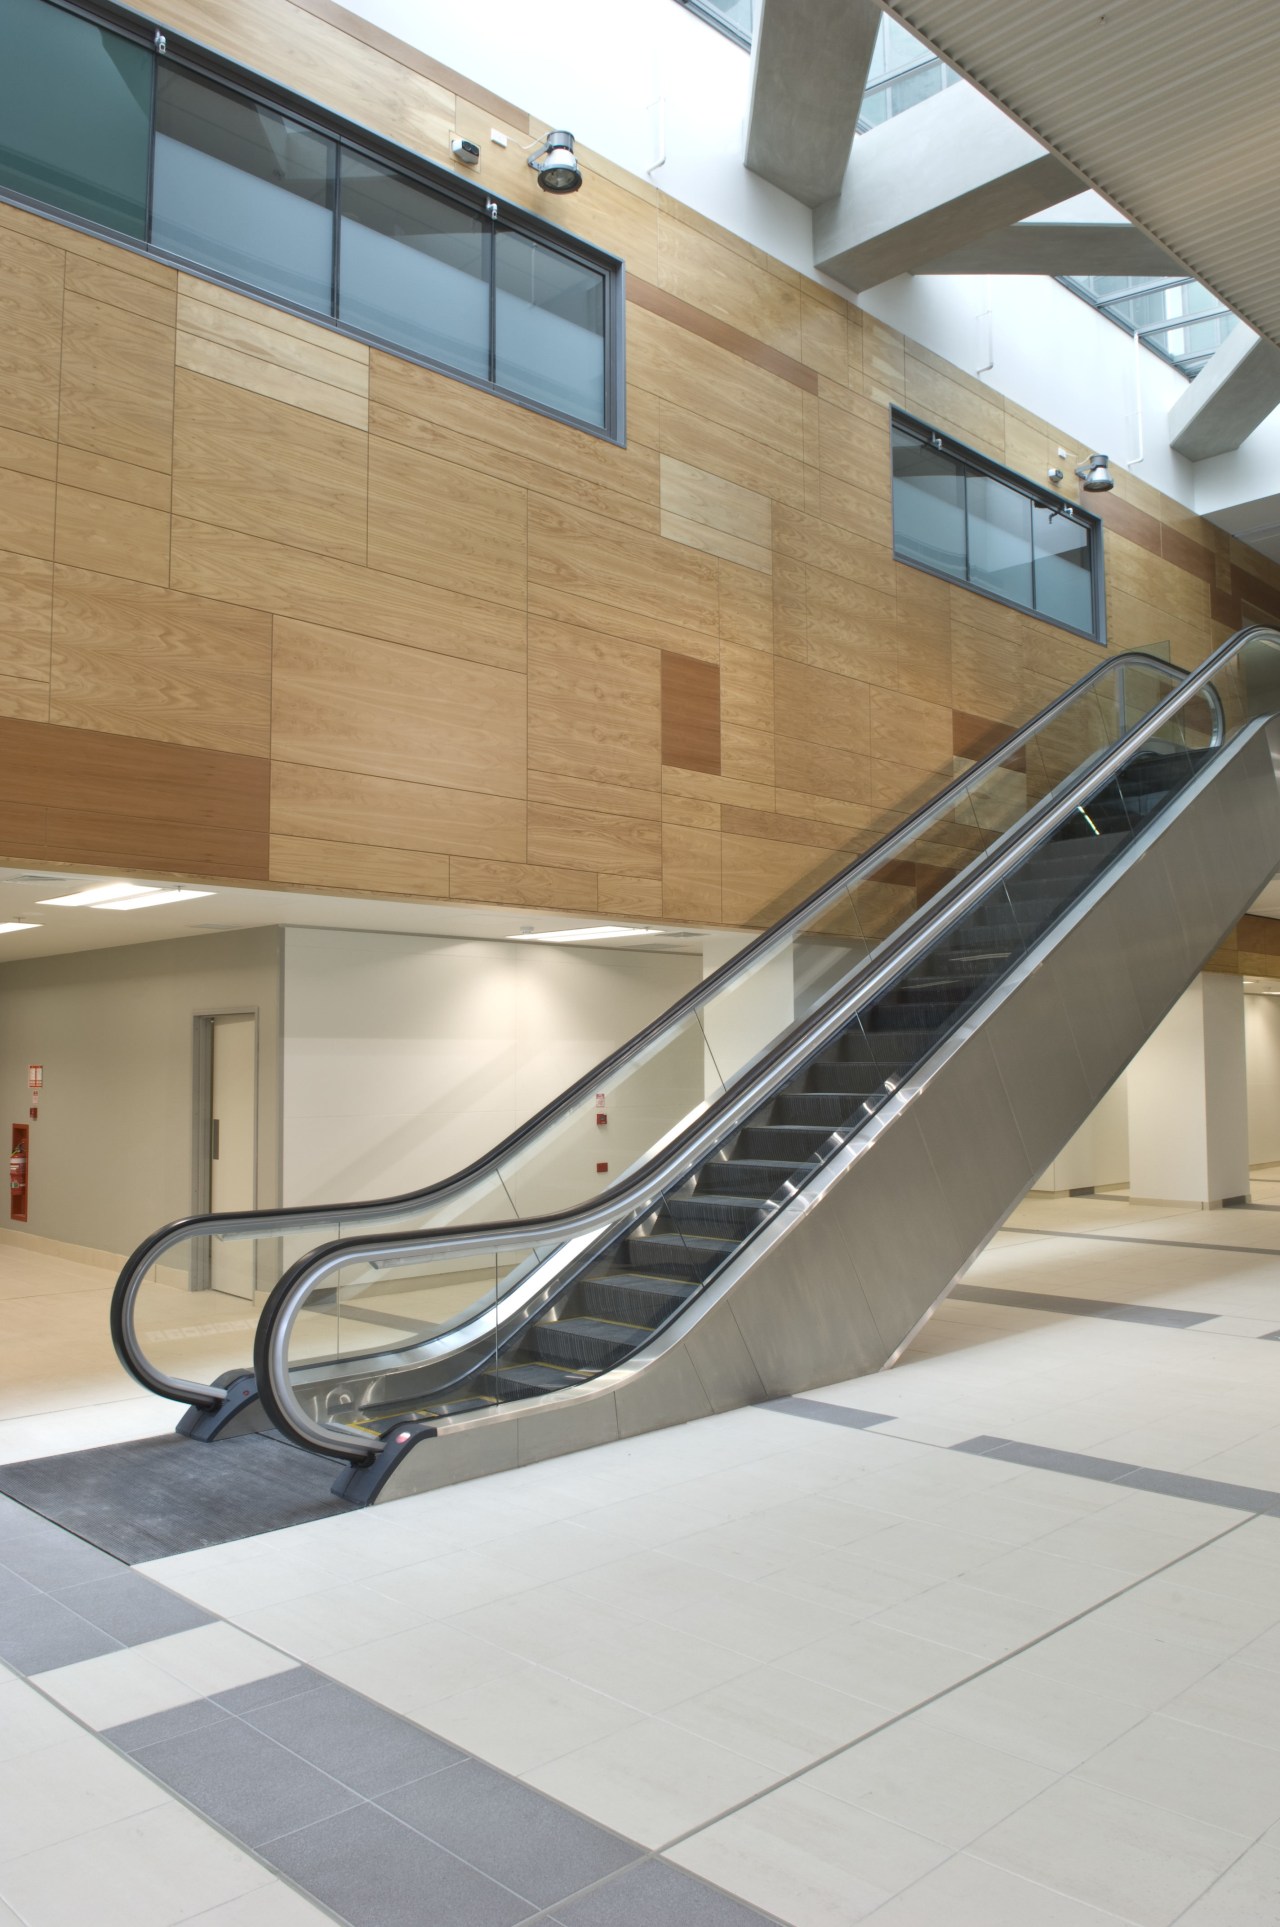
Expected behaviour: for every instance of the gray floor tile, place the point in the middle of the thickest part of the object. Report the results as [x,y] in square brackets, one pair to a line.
[175,1721]
[1184,1485]
[517,1835]
[656,1894]
[829,1414]
[262,1692]
[38,1633]
[1058,1303]
[364,1746]
[243,1780]
[50,1558]
[132,1608]
[982,1445]
[1047,1458]
[374,1872]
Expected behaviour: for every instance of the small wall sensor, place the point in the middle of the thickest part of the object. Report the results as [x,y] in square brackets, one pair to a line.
[465,151]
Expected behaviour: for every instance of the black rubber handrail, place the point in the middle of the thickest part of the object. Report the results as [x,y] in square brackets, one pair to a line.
[726,1112]
[270,1220]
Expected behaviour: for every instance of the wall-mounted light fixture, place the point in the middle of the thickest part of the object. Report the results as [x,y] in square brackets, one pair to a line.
[1095,475]
[556,165]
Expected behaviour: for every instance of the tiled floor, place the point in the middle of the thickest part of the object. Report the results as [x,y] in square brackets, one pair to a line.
[992,1640]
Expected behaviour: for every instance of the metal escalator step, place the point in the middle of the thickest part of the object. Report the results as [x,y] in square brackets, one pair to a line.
[714,1214]
[632,1298]
[829,1108]
[680,1255]
[596,1343]
[745,1177]
[777,1142]
[525,1380]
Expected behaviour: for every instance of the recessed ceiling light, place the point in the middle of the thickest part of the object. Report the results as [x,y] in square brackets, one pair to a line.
[5,928]
[152,899]
[96,893]
[595,934]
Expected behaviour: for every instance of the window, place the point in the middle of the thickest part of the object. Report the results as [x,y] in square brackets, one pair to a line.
[958,515]
[201,167]
[75,115]
[732,17]
[902,73]
[1176,318]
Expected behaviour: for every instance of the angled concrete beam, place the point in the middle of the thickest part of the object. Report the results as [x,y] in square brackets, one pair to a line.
[1235,390]
[809,63]
[933,180]
[1058,247]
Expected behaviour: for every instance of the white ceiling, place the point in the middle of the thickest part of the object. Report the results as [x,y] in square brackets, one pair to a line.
[65,929]
[1167,107]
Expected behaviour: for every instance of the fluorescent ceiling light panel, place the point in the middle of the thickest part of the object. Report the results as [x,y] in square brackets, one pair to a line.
[97,893]
[5,928]
[152,899]
[596,934]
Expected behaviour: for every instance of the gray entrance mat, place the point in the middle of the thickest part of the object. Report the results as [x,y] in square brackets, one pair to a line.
[149,1497]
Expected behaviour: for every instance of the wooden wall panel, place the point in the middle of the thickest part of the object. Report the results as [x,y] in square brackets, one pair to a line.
[276,605]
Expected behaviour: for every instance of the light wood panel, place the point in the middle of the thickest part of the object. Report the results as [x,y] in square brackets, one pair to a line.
[276,604]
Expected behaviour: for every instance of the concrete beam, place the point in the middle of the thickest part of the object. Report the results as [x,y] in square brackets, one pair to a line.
[1235,390]
[1058,247]
[933,180]
[809,63]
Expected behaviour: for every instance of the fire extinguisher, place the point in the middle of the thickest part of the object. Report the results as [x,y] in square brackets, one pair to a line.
[18,1171]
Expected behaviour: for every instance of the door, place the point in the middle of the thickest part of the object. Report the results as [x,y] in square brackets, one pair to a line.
[233,1144]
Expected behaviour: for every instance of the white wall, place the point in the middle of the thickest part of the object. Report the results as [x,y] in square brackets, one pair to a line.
[1188,1103]
[1098,1154]
[1262,1062]
[111,1151]
[405,1058]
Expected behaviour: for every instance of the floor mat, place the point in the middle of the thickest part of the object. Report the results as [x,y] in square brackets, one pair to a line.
[149,1497]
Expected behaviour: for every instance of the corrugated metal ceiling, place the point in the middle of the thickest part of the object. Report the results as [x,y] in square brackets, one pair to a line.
[1170,108]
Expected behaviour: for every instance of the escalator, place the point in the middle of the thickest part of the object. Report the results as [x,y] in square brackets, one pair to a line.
[821,1136]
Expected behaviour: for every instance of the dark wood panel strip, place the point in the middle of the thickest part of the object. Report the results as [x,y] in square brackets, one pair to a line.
[683,313]
[1186,554]
[690,713]
[1134,524]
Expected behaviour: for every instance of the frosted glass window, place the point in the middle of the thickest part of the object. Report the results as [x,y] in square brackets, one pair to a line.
[412,267]
[928,506]
[243,190]
[75,115]
[1064,579]
[999,539]
[549,328]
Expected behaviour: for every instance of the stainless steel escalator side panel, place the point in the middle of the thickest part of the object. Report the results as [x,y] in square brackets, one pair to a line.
[835,1285]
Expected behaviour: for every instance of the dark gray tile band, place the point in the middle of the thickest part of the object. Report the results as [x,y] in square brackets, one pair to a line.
[829,1414]
[1084,1465]
[1131,1238]
[1126,1314]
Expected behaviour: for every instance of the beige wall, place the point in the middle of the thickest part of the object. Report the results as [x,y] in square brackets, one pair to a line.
[111,1151]
[275,606]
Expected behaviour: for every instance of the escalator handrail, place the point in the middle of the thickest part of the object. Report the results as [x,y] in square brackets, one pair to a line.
[725,1113]
[271,1220]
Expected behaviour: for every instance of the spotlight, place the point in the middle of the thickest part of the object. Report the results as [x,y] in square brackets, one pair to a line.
[1095,475]
[556,165]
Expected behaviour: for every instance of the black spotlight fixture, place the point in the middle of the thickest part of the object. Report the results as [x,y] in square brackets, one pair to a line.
[1095,476]
[556,165]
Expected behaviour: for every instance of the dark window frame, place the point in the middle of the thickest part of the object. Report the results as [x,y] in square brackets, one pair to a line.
[975,464]
[206,63]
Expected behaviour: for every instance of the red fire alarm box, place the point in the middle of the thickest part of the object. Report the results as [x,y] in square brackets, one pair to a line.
[18,1173]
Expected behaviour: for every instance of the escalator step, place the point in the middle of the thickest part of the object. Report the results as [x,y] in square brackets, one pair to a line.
[794,1143]
[715,1214]
[814,1107]
[677,1255]
[632,1298]
[595,1343]
[526,1380]
[745,1177]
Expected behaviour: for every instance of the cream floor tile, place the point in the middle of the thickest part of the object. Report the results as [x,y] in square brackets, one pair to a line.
[1124,1663]
[1142,1861]
[809,1858]
[1045,1579]
[523,1722]
[116,1687]
[645,1786]
[748,1618]
[59,1792]
[27,1721]
[213,1659]
[327,1622]
[965,1892]
[150,1870]
[1192,1770]
[926,1777]
[1246,1895]
[1236,1699]
[989,1625]
[274,1905]
[414,1671]
[1166,1609]
[772,1716]
[874,1662]
[1053,1723]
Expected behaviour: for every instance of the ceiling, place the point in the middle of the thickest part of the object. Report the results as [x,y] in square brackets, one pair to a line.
[65,929]
[1167,107]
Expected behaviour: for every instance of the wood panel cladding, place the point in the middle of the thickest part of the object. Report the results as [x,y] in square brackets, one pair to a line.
[278,606]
